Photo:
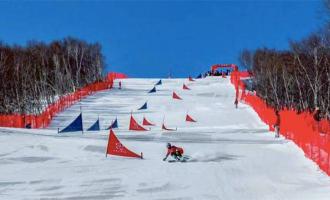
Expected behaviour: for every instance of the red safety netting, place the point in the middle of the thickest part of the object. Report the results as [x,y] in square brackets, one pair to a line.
[43,120]
[313,137]
[115,75]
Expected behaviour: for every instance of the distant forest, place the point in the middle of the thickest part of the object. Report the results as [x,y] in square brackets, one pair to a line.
[298,78]
[34,75]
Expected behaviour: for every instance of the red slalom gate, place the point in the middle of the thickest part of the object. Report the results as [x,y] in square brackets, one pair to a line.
[167,129]
[175,96]
[313,137]
[146,122]
[189,119]
[134,126]
[185,87]
[43,120]
[115,147]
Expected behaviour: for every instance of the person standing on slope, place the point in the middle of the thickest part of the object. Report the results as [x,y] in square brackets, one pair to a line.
[317,114]
[277,124]
[175,152]
[317,118]
[236,103]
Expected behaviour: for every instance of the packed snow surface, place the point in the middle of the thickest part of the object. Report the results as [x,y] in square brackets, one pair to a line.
[233,154]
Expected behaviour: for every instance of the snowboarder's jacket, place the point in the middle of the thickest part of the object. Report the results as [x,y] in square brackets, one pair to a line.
[173,150]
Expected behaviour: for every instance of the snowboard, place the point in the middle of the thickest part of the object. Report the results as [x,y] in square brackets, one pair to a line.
[184,158]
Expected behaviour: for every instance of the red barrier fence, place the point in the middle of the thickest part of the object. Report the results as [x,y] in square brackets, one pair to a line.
[43,120]
[313,137]
[114,75]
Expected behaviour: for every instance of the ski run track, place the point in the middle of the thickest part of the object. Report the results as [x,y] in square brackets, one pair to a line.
[234,156]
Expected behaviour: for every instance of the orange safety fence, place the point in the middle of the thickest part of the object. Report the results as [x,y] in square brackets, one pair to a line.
[43,120]
[313,137]
[114,75]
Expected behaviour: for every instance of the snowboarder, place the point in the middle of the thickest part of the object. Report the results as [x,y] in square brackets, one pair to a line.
[175,152]
[236,102]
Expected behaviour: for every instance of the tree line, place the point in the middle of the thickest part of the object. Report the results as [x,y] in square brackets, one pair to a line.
[297,78]
[35,75]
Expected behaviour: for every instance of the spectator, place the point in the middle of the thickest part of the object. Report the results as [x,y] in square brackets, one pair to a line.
[317,118]
[277,124]
[236,103]
[316,114]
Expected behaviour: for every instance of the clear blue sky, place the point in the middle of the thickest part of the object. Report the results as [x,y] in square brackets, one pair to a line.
[150,39]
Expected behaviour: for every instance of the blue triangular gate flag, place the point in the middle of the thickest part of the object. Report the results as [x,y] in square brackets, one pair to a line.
[76,125]
[113,125]
[143,107]
[95,126]
[159,82]
[152,90]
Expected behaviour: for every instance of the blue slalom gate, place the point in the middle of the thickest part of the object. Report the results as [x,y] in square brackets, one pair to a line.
[76,125]
[143,107]
[95,126]
[159,82]
[113,125]
[152,90]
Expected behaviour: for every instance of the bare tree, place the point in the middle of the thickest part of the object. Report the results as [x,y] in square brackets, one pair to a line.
[33,76]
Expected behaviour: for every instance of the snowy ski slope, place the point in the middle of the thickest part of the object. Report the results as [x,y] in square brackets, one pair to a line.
[233,154]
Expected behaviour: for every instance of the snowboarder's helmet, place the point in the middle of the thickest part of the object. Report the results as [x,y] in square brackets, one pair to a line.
[168,145]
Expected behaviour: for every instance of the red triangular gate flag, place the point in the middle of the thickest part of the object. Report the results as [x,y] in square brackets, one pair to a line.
[134,126]
[115,147]
[190,79]
[175,96]
[189,119]
[146,122]
[167,129]
[185,87]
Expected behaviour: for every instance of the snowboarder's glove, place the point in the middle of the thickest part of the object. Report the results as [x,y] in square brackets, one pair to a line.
[164,159]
